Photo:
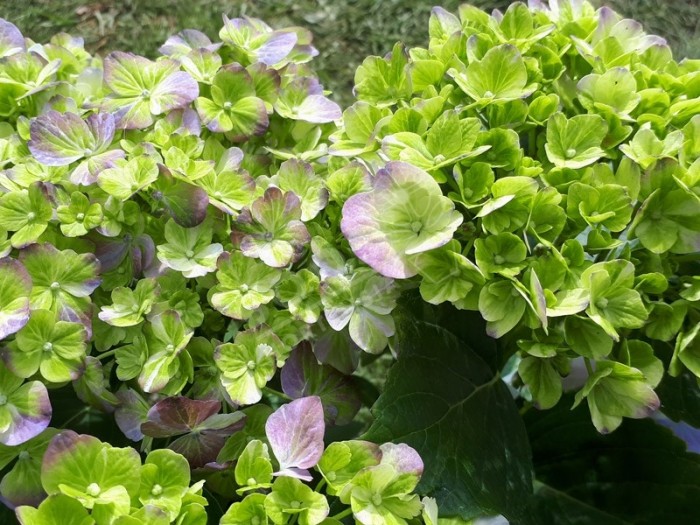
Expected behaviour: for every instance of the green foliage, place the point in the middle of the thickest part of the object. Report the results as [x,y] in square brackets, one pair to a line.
[215,260]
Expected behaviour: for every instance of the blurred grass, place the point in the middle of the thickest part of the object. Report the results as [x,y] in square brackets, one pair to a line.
[344,32]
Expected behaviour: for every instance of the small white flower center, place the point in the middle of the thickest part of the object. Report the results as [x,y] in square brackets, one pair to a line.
[31,216]
[80,216]
[47,347]
[570,153]
[189,254]
[157,490]
[264,347]
[416,226]
[295,504]
[377,500]
[250,365]
[93,489]
[55,285]
[228,104]
[488,94]
[602,303]
[250,482]
[170,347]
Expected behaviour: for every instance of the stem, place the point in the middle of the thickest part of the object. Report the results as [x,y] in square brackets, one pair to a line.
[343,514]
[294,519]
[75,416]
[532,142]
[277,393]
[588,366]
[320,485]
[106,354]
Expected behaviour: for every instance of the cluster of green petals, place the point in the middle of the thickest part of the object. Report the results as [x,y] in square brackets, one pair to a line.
[563,140]
[211,256]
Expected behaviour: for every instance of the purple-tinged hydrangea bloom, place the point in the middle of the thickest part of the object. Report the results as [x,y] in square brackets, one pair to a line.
[25,410]
[405,214]
[185,41]
[141,88]
[295,432]
[11,39]
[59,139]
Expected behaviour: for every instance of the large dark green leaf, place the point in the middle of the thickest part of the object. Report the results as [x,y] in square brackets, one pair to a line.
[444,400]
[640,474]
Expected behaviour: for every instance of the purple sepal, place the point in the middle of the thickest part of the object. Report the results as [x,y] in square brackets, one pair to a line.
[295,432]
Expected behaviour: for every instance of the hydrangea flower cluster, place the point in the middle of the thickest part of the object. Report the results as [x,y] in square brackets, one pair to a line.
[202,250]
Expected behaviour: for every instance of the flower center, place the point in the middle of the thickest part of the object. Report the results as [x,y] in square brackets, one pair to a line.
[377,500]
[55,285]
[570,153]
[87,152]
[23,455]
[262,347]
[228,104]
[47,347]
[331,476]
[488,94]
[295,504]
[243,288]
[602,303]
[145,93]
[250,365]
[170,347]
[80,216]
[93,489]
[255,520]
[157,490]
[250,482]
[416,226]
[189,254]
[31,216]
[498,259]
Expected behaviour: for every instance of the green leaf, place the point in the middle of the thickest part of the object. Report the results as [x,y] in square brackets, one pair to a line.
[55,510]
[383,81]
[435,390]
[342,460]
[542,379]
[128,177]
[250,510]
[500,75]
[615,391]
[641,474]
[27,213]
[575,142]
[54,348]
[290,497]
[254,468]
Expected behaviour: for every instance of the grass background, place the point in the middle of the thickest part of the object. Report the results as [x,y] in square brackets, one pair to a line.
[344,31]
